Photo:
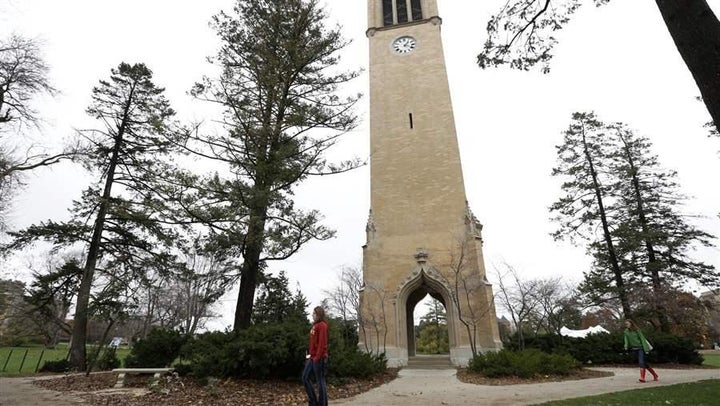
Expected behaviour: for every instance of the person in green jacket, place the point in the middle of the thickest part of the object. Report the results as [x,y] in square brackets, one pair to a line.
[635,340]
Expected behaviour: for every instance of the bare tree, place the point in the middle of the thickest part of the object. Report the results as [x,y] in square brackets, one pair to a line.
[466,286]
[344,299]
[522,34]
[204,280]
[374,320]
[518,297]
[23,76]
[557,305]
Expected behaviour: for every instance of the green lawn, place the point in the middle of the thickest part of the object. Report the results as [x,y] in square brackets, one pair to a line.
[26,360]
[712,359]
[703,393]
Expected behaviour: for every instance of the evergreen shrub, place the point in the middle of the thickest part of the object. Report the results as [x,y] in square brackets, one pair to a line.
[355,363]
[213,354]
[159,349]
[523,364]
[108,360]
[61,365]
[346,360]
[608,348]
[272,350]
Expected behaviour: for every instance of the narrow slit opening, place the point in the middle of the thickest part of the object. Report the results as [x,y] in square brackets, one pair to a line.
[411,120]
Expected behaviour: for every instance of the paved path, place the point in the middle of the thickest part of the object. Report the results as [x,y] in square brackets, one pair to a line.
[441,387]
[422,387]
[21,392]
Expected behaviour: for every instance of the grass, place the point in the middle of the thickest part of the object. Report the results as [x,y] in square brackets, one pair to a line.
[27,360]
[712,359]
[696,393]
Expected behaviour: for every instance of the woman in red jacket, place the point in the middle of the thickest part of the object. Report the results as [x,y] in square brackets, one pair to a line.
[316,359]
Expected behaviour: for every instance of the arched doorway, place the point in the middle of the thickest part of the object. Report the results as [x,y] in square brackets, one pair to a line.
[424,281]
[430,327]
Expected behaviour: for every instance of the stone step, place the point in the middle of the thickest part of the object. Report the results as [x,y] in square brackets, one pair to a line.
[429,362]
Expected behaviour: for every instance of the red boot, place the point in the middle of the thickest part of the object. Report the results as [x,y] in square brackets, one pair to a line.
[642,375]
[655,375]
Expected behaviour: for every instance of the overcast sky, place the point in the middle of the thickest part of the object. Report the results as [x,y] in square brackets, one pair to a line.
[617,60]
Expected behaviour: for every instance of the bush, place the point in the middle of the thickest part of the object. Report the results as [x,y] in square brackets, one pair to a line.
[108,360]
[669,348]
[210,354]
[274,350]
[523,364]
[342,334]
[61,365]
[157,350]
[355,363]
[608,348]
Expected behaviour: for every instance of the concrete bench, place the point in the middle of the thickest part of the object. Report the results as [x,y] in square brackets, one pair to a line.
[157,373]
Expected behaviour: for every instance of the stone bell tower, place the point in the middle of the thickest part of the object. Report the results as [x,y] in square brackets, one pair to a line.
[422,237]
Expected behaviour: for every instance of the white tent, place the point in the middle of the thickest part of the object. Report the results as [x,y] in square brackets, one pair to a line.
[582,333]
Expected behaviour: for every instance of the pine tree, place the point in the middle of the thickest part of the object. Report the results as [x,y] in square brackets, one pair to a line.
[279,89]
[656,236]
[582,160]
[276,304]
[119,218]
[617,185]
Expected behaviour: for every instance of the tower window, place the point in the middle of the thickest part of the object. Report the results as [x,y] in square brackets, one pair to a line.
[402,14]
[398,11]
[387,12]
[416,10]
[411,120]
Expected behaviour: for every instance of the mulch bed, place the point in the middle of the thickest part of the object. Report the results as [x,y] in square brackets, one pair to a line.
[470,377]
[185,391]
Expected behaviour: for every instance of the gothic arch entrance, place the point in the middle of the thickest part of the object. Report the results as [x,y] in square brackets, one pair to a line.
[425,281]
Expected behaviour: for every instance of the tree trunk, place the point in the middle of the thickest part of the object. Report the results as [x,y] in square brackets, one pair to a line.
[250,269]
[617,272]
[696,32]
[78,356]
[101,345]
[652,265]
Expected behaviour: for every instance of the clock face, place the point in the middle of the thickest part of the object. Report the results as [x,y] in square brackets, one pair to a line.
[404,45]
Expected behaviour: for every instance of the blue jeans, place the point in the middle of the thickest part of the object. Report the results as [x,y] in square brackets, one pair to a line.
[641,357]
[319,369]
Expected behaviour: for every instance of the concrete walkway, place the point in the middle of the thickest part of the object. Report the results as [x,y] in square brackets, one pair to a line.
[21,392]
[422,387]
[441,387]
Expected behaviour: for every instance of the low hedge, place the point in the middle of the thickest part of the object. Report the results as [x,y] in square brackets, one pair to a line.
[158,350]
[608,348]
[61,365]
[523,364]
[273,350]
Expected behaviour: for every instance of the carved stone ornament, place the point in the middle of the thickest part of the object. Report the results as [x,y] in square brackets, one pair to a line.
[370,226]
[474,226]
[421,255]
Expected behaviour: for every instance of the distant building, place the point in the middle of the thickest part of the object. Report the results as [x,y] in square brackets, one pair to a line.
[711,301]
[11,303]
[505,328]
